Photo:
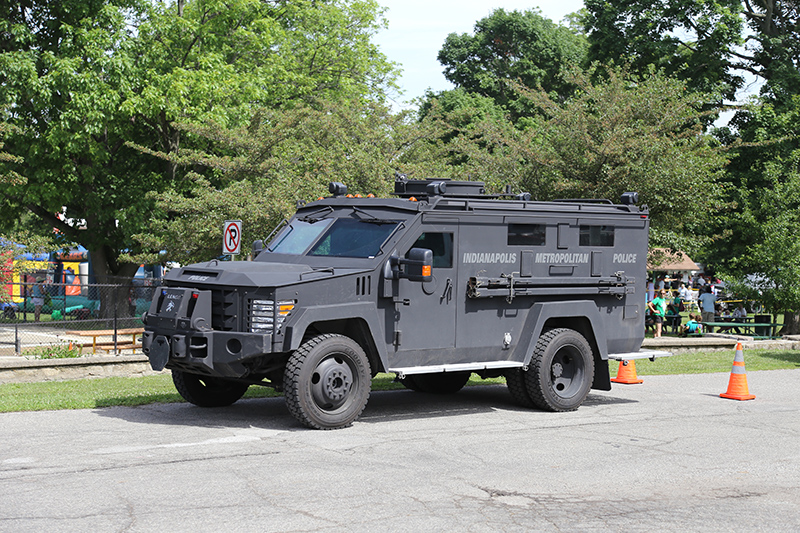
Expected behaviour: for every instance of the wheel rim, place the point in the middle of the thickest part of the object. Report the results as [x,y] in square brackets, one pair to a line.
[332,382]
[566,371]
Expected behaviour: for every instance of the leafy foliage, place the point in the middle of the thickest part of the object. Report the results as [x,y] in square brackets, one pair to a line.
[711,45]
[54,351]
[622,133]
[92,87]
[515,46]
[281,157]
[756,245]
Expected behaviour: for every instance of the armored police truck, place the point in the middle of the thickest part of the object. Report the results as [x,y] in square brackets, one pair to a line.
[433,285]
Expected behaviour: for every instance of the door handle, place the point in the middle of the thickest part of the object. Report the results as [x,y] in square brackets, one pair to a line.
[448,291]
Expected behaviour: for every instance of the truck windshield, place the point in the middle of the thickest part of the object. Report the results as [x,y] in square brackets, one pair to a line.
[298,236]
[352,237]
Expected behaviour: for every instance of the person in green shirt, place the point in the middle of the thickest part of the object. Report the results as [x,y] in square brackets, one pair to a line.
[659,308]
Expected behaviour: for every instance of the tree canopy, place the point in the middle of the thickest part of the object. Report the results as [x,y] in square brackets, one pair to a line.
[91,87]
[512,46]
[283,156]
[145,124]
[620,133]
[711,45]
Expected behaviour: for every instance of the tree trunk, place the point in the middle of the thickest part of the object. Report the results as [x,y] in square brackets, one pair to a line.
[791,323]
[107,271]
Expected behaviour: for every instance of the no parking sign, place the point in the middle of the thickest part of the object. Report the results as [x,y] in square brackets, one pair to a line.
[232,237]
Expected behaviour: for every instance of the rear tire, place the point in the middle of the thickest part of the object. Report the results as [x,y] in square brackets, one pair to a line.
[207,391]
[327,382]
[561,371]
[515,381]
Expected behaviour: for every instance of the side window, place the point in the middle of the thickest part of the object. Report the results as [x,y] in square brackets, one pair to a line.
[441,244]
[526,234]
[597,236]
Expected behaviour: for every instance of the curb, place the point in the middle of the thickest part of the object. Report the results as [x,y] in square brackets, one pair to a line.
[713,341]
[20,370]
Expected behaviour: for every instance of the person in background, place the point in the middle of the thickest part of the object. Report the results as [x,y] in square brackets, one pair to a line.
[692,325]
[707,302]
[38,299]
[701,281]
[684,293]
[739,314]
[674,308]
[658,306]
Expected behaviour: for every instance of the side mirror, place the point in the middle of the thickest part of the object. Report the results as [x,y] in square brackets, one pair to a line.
[258,247]
[418,265]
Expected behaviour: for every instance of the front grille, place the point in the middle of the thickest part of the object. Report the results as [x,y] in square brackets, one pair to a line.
[224,310]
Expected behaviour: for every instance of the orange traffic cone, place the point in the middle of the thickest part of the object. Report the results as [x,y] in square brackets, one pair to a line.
[627,373]
[737,385]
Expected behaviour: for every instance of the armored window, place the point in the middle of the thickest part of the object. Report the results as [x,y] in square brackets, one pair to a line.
[597,236]
[526,234]
[353,237]
[298,236]
[441,244]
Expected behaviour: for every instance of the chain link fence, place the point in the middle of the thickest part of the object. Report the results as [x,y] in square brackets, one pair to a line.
[43,319]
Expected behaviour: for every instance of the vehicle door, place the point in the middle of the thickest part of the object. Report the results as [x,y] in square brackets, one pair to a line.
[425,312]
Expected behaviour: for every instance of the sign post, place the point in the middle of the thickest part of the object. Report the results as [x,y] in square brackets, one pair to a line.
[232,237]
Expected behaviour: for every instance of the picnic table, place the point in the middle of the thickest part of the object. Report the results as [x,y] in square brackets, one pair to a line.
[749,328]
[120,345]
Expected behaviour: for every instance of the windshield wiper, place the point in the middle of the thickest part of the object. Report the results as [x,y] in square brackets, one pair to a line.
[372,218]
[316,216]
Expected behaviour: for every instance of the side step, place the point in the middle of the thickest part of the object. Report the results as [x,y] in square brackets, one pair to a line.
[641,354]
[460,367]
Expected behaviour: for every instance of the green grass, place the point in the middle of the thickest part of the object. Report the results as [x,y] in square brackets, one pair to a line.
[721,361]
[106,392]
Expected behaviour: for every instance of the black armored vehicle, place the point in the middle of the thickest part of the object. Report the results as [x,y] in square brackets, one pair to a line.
[436,284]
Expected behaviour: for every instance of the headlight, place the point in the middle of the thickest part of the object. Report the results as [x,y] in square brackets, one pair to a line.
[266,317]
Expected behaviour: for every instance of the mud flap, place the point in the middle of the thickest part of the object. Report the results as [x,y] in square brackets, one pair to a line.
[159,353]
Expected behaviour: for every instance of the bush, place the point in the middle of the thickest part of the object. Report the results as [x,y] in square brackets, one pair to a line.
[54,351]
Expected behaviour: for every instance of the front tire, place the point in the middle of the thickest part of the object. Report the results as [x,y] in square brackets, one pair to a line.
[327,382]
[207,391]
[561,371]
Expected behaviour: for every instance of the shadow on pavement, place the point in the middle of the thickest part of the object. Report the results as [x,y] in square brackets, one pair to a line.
[383,406]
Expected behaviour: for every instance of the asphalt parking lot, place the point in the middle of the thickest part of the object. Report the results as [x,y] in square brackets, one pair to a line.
[667,455]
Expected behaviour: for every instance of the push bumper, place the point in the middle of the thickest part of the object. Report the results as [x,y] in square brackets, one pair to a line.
[218,353]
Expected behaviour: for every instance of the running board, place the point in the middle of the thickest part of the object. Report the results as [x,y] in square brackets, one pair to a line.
[460,367]
[641,354]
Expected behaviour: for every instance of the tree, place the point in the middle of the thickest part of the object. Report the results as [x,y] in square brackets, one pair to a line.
[621,133]
[709,44]
[86,82]
[516,46]
[281,157]
[217,61]
[8,176]
[754,243]
[768,268]
[62,69]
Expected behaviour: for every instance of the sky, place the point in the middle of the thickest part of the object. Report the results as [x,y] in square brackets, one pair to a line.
[417,30]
